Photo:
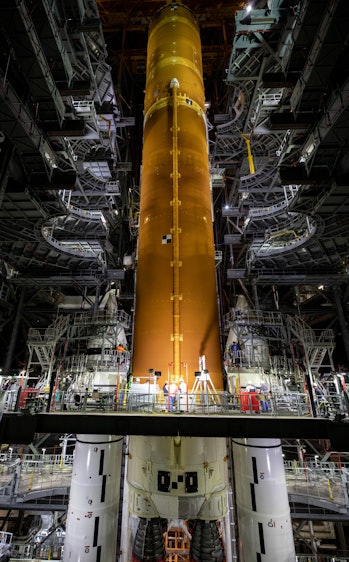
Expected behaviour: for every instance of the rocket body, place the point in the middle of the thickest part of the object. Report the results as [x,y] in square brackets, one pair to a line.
[176,316]
[265,526]
[176,329]
[177,477]
[92,517]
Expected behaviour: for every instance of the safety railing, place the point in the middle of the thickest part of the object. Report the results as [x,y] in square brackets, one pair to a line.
[205,401]
[314,487]
[102,317]
[249,357]
[322,558]
[8,399]
[318,486]
[28,477]
[5,544]
[49,550]
[270,318]
[200,403]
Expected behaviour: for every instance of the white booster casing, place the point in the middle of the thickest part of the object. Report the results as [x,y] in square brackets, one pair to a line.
[91,528]
[264,519]
[177,477]
[254,350]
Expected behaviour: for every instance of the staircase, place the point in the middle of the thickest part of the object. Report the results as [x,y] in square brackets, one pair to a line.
[317,344]
[42,342]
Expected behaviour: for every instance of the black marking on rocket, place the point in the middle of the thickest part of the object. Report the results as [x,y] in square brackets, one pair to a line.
[253,497]
[261,537]
[166,239]
[99,554]
[104,485]
[95,532]
[259,557]
[101,462]
[254,468]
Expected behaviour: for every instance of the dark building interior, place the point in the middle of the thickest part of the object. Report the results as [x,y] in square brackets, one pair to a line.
[72,80]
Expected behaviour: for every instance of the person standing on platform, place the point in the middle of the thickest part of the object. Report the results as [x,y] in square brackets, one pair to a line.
[234,353]
[250,387]
[173,391]
[165,390]
[263,399]
[183,396]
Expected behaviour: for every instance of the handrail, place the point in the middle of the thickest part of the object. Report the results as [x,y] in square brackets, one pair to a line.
[314,481]
[204,402]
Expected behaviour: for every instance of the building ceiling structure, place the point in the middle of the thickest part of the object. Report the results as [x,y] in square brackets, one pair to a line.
[72,75]
[72,78]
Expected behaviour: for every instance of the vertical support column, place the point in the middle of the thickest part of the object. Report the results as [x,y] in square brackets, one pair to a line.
[309,383]
[341,536]
[91,529]
[96,303]
[255,294]
[342,321]
[264,518]
[14,335]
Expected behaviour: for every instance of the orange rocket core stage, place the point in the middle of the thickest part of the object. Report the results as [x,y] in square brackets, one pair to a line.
[176,316]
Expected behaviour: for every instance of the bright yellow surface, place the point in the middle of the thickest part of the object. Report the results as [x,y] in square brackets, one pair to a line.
[176,317]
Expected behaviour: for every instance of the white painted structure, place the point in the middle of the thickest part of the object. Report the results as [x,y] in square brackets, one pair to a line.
[265,528]
[91,529]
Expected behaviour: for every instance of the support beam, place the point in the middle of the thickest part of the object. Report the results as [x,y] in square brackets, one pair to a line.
[19,428]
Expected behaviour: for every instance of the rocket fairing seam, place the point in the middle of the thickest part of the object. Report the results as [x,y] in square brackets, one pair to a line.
[164,63]
[99,442]
[158,24]
[256,446]
[182,100]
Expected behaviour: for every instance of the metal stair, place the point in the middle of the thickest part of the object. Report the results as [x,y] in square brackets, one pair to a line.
[317,344]
[41,343]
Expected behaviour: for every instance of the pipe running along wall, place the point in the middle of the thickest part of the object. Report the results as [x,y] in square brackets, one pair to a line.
[176,316]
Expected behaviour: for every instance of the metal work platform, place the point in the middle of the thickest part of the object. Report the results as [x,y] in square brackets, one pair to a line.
[21,428]
[42,481]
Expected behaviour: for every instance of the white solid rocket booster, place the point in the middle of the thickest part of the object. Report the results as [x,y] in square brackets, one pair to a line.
[265,527]
[91,529]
